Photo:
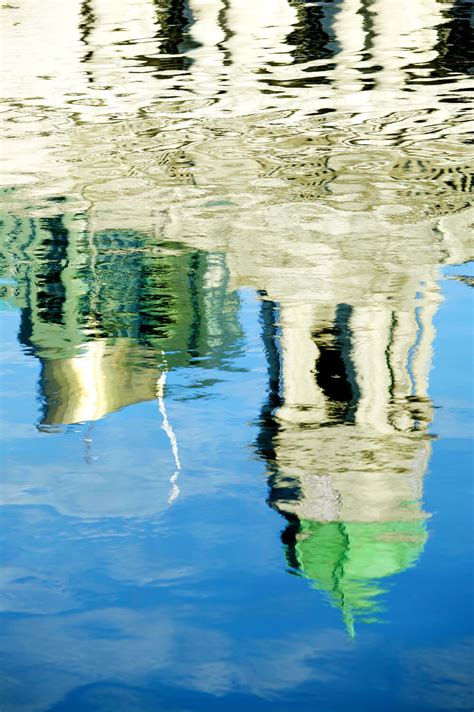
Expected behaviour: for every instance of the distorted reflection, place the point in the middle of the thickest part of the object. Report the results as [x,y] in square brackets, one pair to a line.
[172,171]
[108,314]
[131,99]
[347,445]
[345,428]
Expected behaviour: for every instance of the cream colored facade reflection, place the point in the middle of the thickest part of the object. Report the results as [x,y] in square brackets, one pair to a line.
[233,154]
[98,381]
[369,468]
[99,67]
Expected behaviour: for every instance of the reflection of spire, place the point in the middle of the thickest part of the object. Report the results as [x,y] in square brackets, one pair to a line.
[87,440]
[348,560]
[160,389]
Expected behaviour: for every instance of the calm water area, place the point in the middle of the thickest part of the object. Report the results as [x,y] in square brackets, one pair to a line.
[236,380]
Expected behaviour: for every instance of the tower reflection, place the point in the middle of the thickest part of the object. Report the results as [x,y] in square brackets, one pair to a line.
[344,433]
[109,313]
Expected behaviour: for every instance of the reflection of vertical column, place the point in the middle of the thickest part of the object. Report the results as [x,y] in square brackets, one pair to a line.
[370,328]
[402,336]
[257,39]
[392,357]
[207,57]
[405,35]
[215,283]
[421,360]
[409,357]
[259,32]
[229,56]
[303,399]
[350,35]
[123,31]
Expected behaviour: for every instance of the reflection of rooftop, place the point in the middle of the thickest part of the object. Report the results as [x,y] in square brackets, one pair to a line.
[348,559]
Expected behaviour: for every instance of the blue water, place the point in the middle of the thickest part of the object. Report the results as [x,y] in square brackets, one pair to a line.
[112,600]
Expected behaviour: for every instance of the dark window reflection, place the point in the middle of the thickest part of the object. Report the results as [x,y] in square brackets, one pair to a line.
[311,37]
[51,293]
[334,370]
[172,18]
[455,49]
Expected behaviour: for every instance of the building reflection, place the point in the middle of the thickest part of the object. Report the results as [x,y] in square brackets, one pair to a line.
[344,433]
[340,222]
[109,313]
[354,76]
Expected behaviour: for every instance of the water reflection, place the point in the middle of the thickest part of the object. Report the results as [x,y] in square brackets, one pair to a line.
[218,49]
[168,103]
[345,435]
[108,314]
[344,426]
[162,155]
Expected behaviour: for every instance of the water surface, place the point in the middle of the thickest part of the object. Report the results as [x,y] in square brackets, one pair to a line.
[237,365]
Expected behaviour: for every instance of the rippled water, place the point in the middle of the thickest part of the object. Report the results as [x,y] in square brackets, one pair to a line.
[237,355]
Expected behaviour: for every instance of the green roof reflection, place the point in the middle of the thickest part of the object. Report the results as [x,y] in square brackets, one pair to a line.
[348,560]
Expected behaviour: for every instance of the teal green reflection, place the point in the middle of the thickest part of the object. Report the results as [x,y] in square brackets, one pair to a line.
[348,560]
[107,313]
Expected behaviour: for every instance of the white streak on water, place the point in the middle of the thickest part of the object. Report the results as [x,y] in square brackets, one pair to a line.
[160,389]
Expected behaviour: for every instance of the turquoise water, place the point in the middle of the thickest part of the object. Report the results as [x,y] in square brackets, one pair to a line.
[236,380]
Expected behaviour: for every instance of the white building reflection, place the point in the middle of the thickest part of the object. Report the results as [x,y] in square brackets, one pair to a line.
[345,428]
[102,90]
[297,145]
[131,55]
